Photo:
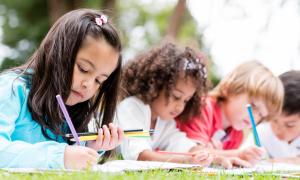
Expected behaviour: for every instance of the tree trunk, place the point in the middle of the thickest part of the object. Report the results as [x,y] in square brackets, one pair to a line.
[57,8]
[109,7]
[176,20]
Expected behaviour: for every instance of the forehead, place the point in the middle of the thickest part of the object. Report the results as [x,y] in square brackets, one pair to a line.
[185,86]
[99,52]
[289,118]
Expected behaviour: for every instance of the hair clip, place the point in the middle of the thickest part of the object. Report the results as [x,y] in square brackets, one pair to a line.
[189,65]
[101,20]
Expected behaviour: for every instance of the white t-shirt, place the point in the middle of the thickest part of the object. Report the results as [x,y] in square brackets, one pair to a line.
[275,147]
[132,113]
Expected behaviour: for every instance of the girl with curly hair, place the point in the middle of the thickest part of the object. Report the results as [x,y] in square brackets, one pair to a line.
[158,86]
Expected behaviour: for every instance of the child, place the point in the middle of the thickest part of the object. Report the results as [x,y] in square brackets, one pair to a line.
[79,59]
[224,115]
[281,136]
[160,85]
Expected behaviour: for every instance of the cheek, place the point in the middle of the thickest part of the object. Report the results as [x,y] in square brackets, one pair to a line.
[92,92]
[76,79]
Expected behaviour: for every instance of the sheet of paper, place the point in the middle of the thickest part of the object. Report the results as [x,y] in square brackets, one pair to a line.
[130,165]
[262,167]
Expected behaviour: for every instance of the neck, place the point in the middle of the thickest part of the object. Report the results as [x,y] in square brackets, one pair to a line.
[153,119]
[225,122]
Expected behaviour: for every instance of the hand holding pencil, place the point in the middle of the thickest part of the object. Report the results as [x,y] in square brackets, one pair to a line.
[108,138]
[201,157]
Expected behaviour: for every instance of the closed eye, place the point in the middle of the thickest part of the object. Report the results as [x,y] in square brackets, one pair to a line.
[81,69]
[176,97]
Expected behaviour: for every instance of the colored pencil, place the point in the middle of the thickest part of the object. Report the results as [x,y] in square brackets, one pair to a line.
[128,132]
[92,137]
[68,119]
[176,153]
[255,134]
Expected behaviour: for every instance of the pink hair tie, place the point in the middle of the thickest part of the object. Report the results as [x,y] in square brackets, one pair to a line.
[101,20]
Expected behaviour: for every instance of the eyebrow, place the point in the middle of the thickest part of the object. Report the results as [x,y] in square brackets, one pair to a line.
[182,92]
[293,121]
[93,66]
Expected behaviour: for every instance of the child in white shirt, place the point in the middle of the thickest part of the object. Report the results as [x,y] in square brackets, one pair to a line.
[160,85]
[281,136]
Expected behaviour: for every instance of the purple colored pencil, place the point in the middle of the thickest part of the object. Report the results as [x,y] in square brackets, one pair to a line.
[68,119]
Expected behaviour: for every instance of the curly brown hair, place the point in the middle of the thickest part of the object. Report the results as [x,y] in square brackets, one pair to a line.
[159,69]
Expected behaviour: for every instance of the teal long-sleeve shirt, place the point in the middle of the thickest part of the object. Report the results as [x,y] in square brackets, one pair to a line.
[22,143]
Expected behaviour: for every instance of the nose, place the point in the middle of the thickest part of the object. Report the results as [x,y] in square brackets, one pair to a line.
[86,83]
[277,128]
[179,107]
[257,117]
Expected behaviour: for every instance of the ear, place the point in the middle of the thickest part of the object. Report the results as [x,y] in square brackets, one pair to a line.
[224,90]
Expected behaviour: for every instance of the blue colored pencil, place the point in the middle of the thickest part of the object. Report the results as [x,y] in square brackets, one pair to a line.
[256,138]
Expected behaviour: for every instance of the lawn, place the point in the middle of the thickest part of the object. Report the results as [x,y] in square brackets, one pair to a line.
[154,174]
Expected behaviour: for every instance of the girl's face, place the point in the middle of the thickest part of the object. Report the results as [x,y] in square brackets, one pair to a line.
[286,127]
[179,96]
[236,114]
[95,61]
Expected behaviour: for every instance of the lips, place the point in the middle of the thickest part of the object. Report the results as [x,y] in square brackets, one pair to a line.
[174,114]
[246,122]
[76,93]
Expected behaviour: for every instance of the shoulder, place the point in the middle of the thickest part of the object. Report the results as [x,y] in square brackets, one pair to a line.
[132,101]
[265,129]
[133,105]
[13,83]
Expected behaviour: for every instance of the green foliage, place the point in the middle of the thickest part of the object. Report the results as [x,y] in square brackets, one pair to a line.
[142,24]
[24,26]
[9,63]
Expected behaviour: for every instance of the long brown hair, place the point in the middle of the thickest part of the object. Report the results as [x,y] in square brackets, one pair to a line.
[52,65]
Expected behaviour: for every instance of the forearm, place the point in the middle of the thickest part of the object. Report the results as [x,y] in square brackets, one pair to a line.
[40,155]
[148,155]
[226,153]
[290,160]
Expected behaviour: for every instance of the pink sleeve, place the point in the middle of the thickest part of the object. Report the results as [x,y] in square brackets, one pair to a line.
[198,128]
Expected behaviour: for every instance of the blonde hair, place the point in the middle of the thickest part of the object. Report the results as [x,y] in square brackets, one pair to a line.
[257,81]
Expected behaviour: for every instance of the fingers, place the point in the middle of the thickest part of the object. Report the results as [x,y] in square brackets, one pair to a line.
[253,154]
[100,138]
[107,137]
[121,135]
[92,152]
[90,161]
[223,161]
[114,136]
[216,144]
[239,162]
[203,158]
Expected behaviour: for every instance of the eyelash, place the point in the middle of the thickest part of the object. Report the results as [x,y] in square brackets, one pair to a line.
[81,69]
[178,98]
[289,126]
[84,71]
[99,82]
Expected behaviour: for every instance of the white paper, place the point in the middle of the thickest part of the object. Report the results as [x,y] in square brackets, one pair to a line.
[130,165]
[262,167]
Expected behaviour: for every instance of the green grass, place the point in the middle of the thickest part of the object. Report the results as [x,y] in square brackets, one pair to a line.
[150,175]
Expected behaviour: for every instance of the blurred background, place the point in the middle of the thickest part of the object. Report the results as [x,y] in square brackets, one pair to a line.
[227,31]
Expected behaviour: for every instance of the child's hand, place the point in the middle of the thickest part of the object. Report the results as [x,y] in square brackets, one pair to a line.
[215,144]
[252,154]
[108,138]
[80,157]
[201,157]
[229,162]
